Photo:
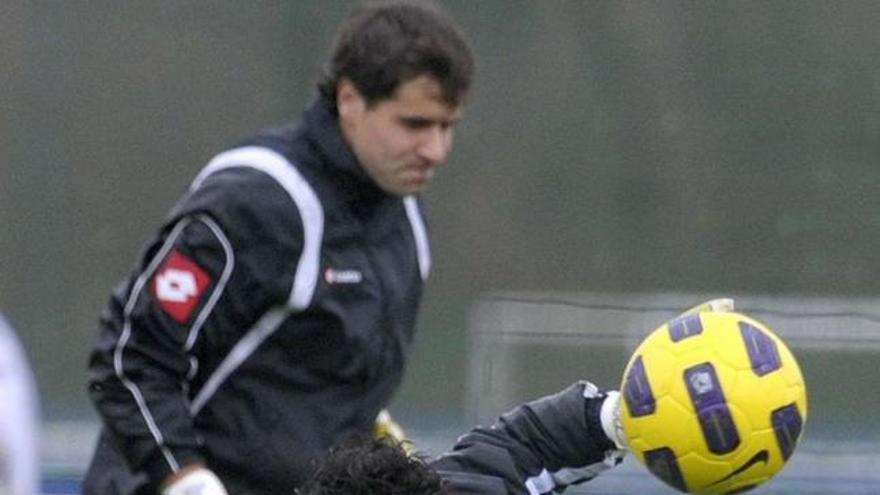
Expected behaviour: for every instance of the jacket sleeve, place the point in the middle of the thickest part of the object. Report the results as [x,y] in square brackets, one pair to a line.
[539,447]
[204,280]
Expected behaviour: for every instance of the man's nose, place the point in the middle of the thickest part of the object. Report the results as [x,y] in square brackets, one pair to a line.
[436,145]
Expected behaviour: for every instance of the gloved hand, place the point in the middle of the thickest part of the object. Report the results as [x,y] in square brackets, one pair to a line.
[609,414]
[609,417]
[602,409]
[194,480]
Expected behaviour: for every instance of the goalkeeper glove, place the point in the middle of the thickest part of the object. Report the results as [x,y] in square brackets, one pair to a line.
[194,480]
[609,417]
[603,417]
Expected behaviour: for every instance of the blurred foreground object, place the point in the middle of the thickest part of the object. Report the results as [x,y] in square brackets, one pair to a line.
[19,471]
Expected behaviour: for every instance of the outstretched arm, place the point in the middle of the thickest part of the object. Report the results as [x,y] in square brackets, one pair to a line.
[536,448]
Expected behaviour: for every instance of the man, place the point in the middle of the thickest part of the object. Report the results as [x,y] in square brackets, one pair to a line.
[19,405]
[273,313]
[540,447]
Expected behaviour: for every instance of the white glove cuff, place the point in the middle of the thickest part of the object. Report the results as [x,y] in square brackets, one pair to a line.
[609,416]
[724,305]
[199,481]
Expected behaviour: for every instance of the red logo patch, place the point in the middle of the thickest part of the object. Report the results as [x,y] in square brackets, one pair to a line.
[178,285]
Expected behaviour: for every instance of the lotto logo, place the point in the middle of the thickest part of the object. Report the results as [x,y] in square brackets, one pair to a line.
[178,286]
[332,276]
[175,285]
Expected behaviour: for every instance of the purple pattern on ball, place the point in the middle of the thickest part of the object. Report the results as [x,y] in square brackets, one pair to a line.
[763,353]
[787,424]
[684,327]
[664,465]
[637,391]
[714,416]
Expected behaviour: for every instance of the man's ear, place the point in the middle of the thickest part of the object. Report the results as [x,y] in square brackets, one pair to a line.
[349,101]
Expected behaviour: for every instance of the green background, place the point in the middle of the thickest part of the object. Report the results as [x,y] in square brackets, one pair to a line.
[609,146]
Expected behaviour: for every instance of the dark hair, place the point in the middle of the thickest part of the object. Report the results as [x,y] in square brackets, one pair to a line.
[383,44]
[367,466]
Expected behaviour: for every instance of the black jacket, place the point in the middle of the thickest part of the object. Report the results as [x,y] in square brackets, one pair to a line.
[540,447]
[271,316]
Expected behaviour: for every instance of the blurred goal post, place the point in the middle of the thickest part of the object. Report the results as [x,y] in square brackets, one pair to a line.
[526,344]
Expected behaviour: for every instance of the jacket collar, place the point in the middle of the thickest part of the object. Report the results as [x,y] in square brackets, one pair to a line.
[322,129]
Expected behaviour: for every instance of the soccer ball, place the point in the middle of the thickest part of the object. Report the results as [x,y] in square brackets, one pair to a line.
[713,403]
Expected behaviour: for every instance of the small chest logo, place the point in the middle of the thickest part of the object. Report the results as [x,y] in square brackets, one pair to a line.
[333,276]
[178,286]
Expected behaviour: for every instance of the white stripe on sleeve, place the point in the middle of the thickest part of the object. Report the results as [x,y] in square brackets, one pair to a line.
[308,266]
[132,387]
[304,197]
[228,265]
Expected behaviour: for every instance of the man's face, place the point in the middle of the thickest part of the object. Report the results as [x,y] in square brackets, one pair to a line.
[400,140]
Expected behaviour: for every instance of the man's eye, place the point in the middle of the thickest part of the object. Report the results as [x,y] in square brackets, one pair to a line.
[416,123]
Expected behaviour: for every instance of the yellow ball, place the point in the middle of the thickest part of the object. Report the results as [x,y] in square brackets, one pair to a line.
[713,403]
